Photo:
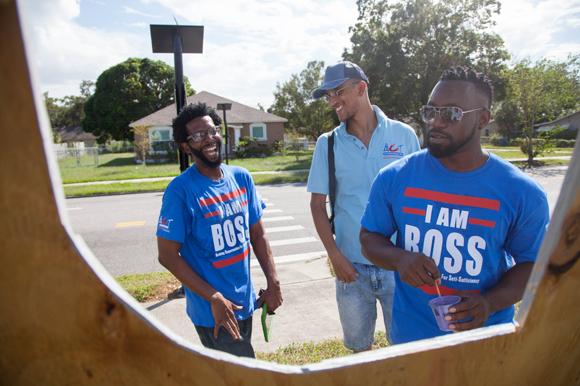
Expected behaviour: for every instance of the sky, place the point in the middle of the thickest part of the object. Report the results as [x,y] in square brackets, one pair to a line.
[249,46]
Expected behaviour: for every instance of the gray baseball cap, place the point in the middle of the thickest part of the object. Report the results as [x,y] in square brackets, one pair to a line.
[336,75]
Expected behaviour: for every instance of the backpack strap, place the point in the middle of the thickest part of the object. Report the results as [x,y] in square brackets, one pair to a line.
[331,179]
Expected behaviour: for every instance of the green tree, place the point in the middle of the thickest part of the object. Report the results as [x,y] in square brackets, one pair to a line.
[68,111]
[127,92]
[404,47]
[293,101]
[53,109]
[542,92]
[142,142]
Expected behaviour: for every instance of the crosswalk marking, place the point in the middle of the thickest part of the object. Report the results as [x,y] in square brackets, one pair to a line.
[268,204]
[284,229]
[282,218]
[293,241]
[272,210]
[291,258]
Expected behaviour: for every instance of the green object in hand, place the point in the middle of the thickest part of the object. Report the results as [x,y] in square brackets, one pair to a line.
[267,322]
[267,319]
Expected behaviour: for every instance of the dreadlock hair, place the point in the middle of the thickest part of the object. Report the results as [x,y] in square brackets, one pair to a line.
[468,74]
[188,114]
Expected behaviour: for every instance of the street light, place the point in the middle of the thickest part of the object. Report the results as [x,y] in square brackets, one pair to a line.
[178,39]
[224,107]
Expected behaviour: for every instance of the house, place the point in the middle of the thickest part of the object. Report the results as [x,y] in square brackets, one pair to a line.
[490,129]
[568,122]
[243,121]
[70,135]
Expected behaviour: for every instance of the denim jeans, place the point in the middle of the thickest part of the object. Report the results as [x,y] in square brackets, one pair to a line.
[225,342]
[357,305]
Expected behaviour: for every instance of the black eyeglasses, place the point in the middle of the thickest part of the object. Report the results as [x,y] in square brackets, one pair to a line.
[447,114]
[200,135]
[334,93]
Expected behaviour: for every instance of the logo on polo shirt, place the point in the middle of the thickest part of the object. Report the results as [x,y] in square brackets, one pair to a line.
[163,224]
[392,150]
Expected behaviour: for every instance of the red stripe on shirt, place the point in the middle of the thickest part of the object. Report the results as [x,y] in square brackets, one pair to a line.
[208,215]
[485,223]
[222,198]
[445,291]
[232,260]
[449,198]
[414,211]
[244,203]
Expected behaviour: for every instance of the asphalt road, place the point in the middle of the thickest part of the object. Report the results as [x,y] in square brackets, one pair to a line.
[120,229]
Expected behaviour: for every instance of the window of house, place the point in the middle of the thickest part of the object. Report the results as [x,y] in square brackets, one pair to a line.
[487,132]
[159,140]
[258,130]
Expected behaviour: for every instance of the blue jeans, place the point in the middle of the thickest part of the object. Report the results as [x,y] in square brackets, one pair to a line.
[357,305]
[225,342]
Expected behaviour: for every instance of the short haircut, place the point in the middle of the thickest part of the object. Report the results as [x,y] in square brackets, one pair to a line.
[188,114]
[468,74]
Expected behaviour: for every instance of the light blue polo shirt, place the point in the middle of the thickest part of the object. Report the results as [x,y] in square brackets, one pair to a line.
[356,168]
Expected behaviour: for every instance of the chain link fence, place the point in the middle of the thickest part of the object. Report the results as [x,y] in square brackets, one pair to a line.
[77,157]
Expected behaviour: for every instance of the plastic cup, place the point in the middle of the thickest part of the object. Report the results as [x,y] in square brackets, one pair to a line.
[440,307]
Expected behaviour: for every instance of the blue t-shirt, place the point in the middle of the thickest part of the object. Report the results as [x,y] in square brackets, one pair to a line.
[356,168]
[471,224]
[212,221]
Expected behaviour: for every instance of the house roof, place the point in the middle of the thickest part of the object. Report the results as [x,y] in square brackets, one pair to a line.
[76,133]
[238,114]
[555,121]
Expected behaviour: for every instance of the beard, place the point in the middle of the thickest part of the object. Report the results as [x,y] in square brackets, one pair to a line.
[211,164]
[439,151]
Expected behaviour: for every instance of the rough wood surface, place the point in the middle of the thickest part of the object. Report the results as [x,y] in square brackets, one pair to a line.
[63,319]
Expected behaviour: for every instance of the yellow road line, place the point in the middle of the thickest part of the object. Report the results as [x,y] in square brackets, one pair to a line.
[129,224]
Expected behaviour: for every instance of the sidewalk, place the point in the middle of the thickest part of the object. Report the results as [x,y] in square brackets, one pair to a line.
[137,180]
[309,312]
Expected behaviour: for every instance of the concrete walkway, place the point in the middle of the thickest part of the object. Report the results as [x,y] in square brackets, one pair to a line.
[309,312]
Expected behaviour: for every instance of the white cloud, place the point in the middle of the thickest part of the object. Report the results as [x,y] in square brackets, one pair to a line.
[67,53]
[529,30]
[141,24]
[131,10]
[268,41]
[249,46]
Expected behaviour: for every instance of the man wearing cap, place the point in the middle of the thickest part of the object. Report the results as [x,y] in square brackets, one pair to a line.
[365,142]
[463,217]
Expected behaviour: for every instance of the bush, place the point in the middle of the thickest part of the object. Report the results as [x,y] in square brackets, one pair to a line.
[162,152]
[495,140]
[278,148]
[562,143]
[250,148]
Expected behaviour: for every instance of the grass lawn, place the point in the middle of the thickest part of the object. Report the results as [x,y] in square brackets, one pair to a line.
[516,153]
[119,166]
[122,166]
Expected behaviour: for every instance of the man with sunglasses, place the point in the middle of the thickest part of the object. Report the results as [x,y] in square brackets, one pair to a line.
[465,219]
[210,216]
[365,142]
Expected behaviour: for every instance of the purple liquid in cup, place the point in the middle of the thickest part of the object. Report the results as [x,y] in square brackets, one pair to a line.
[440,307]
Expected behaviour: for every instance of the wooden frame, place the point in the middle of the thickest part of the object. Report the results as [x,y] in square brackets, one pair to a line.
[64,319]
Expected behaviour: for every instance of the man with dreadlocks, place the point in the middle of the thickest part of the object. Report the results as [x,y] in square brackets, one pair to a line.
[463,217]
[210,215]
